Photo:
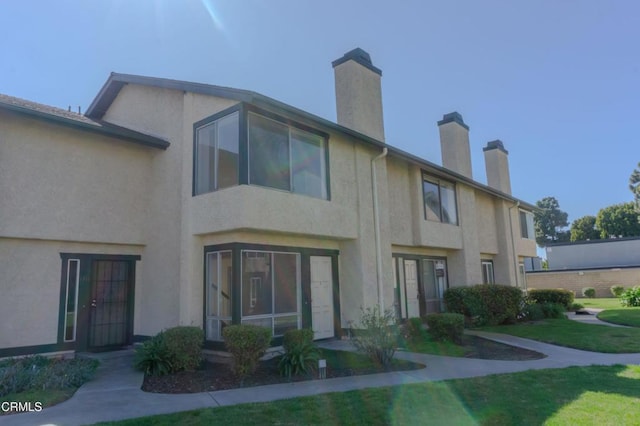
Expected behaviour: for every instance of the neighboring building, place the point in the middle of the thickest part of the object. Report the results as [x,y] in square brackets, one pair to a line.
[182,203]
[597,263]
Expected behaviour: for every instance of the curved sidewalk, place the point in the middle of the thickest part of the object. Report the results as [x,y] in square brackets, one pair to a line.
[115,393]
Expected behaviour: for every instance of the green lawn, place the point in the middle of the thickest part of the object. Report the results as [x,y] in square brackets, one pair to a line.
[427,345]
[564,332]
[600,303]
[578,395]
[47,397]
[624,316]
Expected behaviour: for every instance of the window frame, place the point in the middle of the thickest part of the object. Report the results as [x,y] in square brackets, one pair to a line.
[433,180]
[527,225]
[244,109]
[485,272]
[76,286]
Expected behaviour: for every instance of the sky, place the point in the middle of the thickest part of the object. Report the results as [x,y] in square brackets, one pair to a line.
[558,81]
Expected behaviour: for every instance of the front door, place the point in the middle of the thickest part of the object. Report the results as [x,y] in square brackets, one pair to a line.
[411,285]
[109,305]
[434,284]
[321,297]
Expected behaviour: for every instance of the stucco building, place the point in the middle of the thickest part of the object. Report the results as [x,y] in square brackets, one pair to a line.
[172,202]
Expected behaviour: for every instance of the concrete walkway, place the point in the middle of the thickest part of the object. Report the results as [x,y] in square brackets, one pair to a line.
[115,393]
[591,318]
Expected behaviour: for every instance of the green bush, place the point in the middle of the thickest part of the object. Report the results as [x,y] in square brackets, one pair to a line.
[184,347]
[485,304]
[575,307]
[293,338]
[631,297]
[559,295]
[38,372]
[553,310]
[446,326]
[247,344]
[532,311]
[589,292]
[301,355]
[153,358]
[377,334]
[617,290]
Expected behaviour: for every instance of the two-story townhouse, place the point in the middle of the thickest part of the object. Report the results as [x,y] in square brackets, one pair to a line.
[172,202]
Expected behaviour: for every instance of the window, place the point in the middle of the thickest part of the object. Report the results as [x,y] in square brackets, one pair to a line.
[439,200]
[271,290]
[522,282]
[526,225]
[218,281]
[217,147]
[487,272]
[71,300]
[286,158]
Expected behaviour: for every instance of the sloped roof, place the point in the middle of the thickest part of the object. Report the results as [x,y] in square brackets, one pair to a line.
[78,121]
[117,81]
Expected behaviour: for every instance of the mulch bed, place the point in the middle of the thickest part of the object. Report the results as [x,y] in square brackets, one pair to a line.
[218,376]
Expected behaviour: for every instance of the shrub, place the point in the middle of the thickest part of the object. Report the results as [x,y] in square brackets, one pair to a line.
[38,372]
[377,334]
[631,297]
[558,295]
[247,344]
[617,290]
[293,338]
[301,355]
[153,357]
[589,292]
[413,328]
[447,326]
[485,304]
[553,310]
[532,311]
[184,347]
[575,307]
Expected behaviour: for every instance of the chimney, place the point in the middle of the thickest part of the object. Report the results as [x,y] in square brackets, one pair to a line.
[496,160]
[454,144]
[359,94]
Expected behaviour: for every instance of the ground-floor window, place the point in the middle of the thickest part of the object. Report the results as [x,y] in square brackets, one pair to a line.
[271,290]
[522,276]
[487,272]
[218,306]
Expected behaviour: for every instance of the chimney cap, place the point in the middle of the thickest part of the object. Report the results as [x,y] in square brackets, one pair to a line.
[453,117]
[361,57]
[497,144]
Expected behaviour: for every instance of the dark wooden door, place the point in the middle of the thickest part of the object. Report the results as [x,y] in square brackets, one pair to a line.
[110,310]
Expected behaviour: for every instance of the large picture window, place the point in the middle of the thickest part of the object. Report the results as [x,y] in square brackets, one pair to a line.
[217,148]
[286,158]
[439,200]
[218,297]
[271,290]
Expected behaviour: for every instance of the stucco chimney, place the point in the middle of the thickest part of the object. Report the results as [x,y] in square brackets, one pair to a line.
[454,144]
[359,93]
[496,160]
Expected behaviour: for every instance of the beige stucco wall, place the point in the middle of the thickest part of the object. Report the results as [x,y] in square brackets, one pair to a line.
[63,184]
[30,282]
[486,223]
[601,280]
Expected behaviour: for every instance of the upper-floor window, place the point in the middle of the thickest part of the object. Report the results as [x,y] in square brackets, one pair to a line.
[526,225]
[244,147]
[287,158]
[439,200]
[217,147]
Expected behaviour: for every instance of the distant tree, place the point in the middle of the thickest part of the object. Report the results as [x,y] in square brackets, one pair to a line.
[584,228]
[549,223]
[619,220]
[634,185]
[545,264]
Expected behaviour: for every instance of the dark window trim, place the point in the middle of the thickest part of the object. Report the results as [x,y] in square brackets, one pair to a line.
[437,181]
[236,302]
[243,142]
[493,271]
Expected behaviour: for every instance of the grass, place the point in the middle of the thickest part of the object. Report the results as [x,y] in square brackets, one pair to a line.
[47,397]
[624,316]
[357,361]
[576,395]
[600,303]
[427,345]
[574,334]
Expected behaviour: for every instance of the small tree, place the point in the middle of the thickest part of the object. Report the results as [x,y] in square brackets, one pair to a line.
[377,334]
[549,222]
[584,228]
[618,220]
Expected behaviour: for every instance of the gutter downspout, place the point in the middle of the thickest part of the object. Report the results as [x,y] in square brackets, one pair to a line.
[376,225]
[513,243]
